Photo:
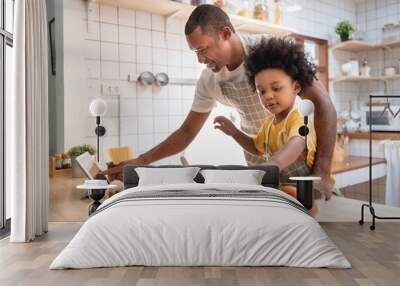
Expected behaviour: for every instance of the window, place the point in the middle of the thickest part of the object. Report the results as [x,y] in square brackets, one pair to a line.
[317,50]
[9,11]
[6,64]
[311,48]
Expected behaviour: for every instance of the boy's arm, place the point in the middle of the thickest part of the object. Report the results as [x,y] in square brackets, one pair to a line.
[225,125]
[288,153]
[246,142]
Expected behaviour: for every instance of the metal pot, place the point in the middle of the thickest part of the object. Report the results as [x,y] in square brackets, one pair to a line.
[146,78]
[162,79]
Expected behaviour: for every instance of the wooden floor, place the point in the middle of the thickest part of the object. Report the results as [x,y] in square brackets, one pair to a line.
[66,203]
[375,257]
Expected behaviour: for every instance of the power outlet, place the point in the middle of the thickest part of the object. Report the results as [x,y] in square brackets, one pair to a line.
[109,89]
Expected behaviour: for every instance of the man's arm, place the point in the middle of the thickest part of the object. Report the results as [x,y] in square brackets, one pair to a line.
[175,143]
[325,127]
[178,140]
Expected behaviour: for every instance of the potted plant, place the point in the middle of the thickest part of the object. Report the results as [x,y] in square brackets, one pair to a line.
[75,152]
[344,29]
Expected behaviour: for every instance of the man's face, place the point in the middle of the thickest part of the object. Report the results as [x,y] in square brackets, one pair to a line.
[212,50]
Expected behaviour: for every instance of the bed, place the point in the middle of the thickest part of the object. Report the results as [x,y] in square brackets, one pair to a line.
[201,224]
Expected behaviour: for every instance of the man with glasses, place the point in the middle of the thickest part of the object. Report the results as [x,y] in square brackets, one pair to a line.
[211,36]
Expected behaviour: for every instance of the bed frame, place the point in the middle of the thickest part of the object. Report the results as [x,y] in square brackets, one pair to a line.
[270,179]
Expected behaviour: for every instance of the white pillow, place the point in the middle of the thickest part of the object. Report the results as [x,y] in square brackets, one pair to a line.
[249,177]
[166,176]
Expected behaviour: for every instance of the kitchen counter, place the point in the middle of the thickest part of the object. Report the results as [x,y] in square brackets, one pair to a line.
[375,135]
[354,162]
[355,170]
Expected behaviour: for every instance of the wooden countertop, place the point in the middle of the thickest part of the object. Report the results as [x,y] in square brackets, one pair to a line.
[375,135]
[354,162]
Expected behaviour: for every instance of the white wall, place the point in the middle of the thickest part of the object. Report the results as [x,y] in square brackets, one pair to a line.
[55,82]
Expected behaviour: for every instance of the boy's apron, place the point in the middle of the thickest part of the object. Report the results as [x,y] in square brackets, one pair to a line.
[297,168]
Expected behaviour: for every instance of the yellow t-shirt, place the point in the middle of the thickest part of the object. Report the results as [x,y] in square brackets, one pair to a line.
[275,140]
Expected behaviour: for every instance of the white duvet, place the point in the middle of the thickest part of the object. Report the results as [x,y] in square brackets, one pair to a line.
[200,231]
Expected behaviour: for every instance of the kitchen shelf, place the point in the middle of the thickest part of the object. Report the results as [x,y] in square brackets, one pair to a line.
[364,78]
[182,11]
[353,163]
[375,135]
[359,46]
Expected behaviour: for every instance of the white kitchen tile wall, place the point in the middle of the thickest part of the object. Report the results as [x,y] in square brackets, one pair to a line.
[146,142]
[92,50]
[126,17]
[108,14]
[109,32]
[127,53]
[126,35]
[109,51]
[143,20]
[143,37]
[157,23]
[109,70]
[126,69]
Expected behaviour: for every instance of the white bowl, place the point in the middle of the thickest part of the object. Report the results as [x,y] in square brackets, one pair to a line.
[390,71]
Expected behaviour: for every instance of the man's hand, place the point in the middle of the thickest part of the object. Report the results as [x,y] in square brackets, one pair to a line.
[323,185]
[225,125]
[116,172]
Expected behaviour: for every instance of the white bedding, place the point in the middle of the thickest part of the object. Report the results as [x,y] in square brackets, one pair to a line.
[200,231]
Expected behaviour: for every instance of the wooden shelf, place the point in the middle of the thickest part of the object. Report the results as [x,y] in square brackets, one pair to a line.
[183,11]
[375,135]
[354,46]
[363,78]
[353,163]
[359,46]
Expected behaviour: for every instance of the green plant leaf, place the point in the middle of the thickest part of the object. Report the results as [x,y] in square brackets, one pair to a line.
[344,28]
[79,150]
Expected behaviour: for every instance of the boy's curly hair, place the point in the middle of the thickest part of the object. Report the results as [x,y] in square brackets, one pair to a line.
[280,53]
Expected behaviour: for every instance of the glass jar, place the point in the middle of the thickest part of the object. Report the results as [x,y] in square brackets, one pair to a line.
[278,12]
[244,9]
[66,161]
[58,161]
[261,10]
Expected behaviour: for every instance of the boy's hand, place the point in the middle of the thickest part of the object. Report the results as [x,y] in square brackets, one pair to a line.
[225,125]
